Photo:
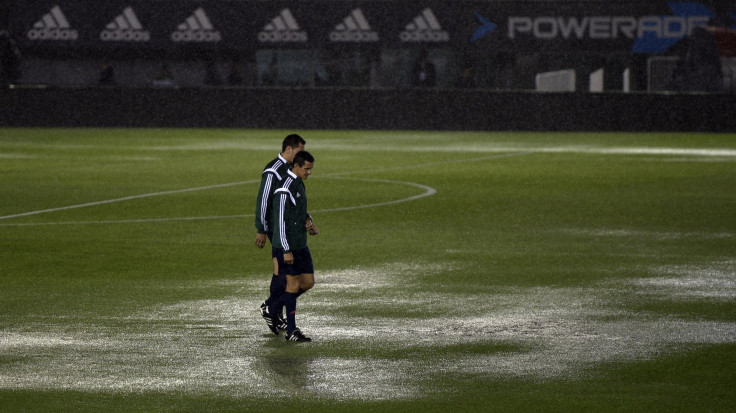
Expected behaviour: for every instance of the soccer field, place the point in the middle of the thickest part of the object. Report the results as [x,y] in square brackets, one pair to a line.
[456,271]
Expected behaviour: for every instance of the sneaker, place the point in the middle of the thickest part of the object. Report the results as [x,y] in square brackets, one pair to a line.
[282,323]
[272,325]
[297,335]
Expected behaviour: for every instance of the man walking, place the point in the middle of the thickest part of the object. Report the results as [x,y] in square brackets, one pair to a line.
[272,178]
[292,224]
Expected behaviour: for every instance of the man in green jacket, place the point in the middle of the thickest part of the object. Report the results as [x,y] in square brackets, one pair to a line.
[292,223]
[272,178]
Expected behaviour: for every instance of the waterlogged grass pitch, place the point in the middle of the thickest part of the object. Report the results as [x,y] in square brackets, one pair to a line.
[455,271]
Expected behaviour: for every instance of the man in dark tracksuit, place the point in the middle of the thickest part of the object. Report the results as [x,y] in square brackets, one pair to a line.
[271,179]
[292,224]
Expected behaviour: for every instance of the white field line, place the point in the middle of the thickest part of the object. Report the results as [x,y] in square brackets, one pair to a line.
[490,147]
[719,152]
[576,149]
[126,198]
[429,191]
[426,145]
[125,221]
[431,164]
[498,153]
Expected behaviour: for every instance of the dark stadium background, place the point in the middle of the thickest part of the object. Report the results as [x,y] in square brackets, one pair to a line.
[363,80]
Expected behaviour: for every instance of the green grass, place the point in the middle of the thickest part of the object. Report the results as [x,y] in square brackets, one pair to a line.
[548,272]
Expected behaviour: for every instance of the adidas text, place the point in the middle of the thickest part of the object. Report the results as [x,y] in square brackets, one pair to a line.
[125,35]
[424,36]
[354,36]
[197,36]
[285,36]
[52,34]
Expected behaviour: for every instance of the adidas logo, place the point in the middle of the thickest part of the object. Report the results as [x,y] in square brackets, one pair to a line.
[196,28]
[125,27]
[354,28]
[282,28]
[52,26]
[424,28]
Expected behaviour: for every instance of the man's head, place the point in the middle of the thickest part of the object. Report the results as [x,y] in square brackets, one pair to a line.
[303,164]
[292,145]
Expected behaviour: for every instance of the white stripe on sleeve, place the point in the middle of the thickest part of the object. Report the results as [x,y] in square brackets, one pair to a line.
[282,223]
[264,201]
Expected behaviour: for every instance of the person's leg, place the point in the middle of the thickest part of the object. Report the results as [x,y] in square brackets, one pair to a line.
[293,283]
[295,286]
[276,290]
[306,282]
[306,279]
[278,284]
[273,305]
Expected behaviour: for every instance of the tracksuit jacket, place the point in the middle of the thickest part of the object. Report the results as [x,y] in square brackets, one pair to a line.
[290,215]
[272,178]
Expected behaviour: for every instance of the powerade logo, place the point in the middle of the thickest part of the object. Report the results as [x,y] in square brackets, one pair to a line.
[485,28]
[651,34]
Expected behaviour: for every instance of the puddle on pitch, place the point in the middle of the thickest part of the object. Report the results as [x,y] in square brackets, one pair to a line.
[220,346]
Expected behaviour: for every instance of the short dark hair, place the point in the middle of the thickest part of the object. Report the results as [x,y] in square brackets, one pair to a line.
[303,156]
[292,141]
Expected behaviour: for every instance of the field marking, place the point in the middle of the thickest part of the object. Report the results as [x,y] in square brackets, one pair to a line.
[428,144]
[495,147]
[430,164]
[16,156]
[429,191]
[126,198]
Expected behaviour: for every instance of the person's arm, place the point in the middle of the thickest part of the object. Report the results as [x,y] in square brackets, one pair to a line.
[262,208]
[284,204]
[281,204]
[311,228]
[261,240]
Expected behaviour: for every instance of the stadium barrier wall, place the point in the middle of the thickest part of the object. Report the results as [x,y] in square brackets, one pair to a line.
[344,108]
